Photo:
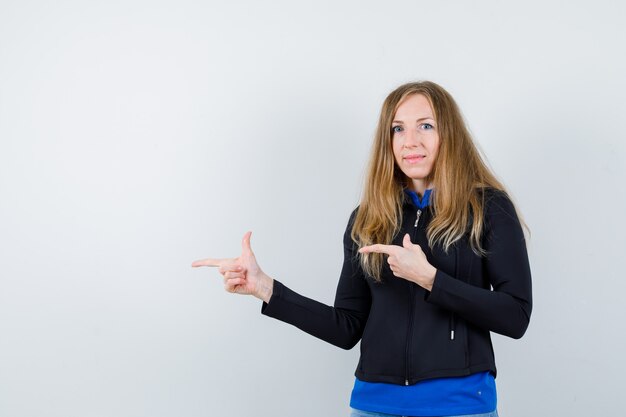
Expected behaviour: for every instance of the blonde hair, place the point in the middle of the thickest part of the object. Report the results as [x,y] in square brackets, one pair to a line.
[459,176]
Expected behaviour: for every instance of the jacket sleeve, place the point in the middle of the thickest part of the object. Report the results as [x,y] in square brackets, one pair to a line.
[505,308]
[341,325]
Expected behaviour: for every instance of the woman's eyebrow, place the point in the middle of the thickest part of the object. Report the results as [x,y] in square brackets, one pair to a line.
[418,120]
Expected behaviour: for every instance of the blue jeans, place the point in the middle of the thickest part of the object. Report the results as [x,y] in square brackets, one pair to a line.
[359,413]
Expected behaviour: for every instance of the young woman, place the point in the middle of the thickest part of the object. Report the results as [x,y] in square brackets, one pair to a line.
[434,260]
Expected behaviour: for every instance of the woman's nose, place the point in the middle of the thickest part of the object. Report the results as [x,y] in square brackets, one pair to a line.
[411,138]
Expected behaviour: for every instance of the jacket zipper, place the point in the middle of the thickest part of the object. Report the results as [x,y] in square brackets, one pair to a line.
[408,334]
[417,219]
[409,331]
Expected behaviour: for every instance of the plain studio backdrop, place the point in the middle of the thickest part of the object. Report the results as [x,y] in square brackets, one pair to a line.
[138,136]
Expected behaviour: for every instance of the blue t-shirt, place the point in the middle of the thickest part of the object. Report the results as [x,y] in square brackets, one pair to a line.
[472,394]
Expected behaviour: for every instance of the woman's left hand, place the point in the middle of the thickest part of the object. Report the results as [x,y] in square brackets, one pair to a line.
[407,261]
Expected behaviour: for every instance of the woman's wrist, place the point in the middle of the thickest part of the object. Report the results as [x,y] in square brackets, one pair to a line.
[265,288]
[429,280]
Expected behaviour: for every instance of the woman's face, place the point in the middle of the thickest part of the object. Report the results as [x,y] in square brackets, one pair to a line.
[415,140]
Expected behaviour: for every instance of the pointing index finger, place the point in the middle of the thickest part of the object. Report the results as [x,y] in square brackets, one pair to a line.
[208,262]
[378,248]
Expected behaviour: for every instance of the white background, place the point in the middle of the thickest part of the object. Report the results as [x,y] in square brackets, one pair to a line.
[138,136]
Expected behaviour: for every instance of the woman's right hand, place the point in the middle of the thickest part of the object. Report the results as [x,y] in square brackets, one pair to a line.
[242,275]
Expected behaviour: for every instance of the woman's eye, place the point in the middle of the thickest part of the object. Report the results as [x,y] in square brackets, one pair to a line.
[396,129]
[427,126]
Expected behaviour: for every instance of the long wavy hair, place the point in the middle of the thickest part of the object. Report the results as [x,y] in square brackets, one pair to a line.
[458,177]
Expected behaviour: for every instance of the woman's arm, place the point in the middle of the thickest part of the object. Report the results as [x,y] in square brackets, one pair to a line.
[341,325]
[506,309]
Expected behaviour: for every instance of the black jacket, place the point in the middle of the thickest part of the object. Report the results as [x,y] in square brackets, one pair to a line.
[409,334]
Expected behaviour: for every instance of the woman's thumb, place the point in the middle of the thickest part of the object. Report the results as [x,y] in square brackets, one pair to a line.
[245,243]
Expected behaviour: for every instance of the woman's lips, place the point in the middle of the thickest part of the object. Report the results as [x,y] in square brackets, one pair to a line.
[414,159]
